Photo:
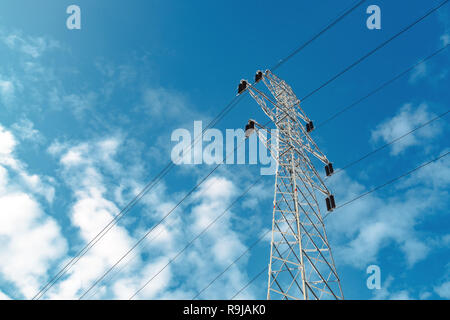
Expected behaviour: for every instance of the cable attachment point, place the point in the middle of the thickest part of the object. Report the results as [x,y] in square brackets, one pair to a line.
[242,86]
[309,126]
[249,128]
[258,75]
[329,169]
[330,203]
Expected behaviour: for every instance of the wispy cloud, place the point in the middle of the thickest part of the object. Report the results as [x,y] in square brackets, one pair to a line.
[420,72]
[24,129]
[404,121]
[87,168]
[7,91]
[444,18]
[443,290]
[31,46]
[386,292]
[364,228]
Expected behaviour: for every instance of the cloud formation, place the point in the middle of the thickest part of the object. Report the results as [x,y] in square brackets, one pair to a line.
[31,239]
[408,118]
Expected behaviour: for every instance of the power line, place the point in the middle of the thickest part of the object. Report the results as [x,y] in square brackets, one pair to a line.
[94,240]
[150,230]
[360,159]
[168,167]
[126,263]
[373,190]
[258,180]
[392,141]
[249,283]
[384,85]
[234,202]
[376,90]
[329,26]
[159,222]
[197,236]
[373,51]
[112,223]
[392,180]
[230,265]
[345,167]
[346,203]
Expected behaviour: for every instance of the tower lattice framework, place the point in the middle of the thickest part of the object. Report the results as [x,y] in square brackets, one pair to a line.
[301,263]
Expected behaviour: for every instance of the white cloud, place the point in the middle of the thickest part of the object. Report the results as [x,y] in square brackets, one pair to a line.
[362,229]
[126,287]
[445,38]
[444,18]
[221,245]
[31,240]
[102,177]
[386,294]
[207,256]
[169,107]
[24,129]
[116,74]
[401,295]
[90,213]
[30,46]
[77,103]
[404,121]
[7,144]
[7,90]
[443,290]
[435,175]
[4,296]
[86,167]
[446,239]
[163,103]
[419,72]
[425,295]
[29,182]
[257,194]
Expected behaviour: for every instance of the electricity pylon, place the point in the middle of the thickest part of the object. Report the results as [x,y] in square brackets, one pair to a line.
[301,264]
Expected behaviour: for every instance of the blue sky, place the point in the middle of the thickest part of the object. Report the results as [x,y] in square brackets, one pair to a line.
[86,118]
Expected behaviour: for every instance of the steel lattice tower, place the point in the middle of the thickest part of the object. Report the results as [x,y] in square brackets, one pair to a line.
[301,264]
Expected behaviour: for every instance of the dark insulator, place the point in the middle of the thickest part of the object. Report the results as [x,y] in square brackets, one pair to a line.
[327,200]
[329,169]
[249,128]
[330,165]
[258,75]
[308,128]
[311,126]
[242,86]
[333,204]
